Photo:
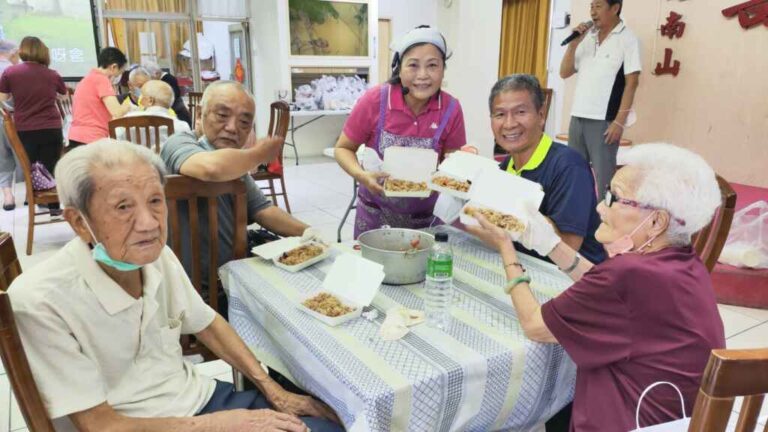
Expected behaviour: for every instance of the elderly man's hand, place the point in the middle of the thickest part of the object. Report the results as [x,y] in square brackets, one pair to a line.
[270,147]
[372,180]
[263,420]
[298,405]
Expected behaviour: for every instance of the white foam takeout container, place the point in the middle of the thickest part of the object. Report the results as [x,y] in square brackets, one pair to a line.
[503,192]
[462,166]
[273,250]
[352,279]
[411,164]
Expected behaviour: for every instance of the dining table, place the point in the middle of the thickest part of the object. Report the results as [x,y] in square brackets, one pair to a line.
[479,373]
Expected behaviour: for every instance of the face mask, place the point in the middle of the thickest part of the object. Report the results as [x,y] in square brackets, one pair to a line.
[100,254]
[624,243]
[116,80]
[136,93]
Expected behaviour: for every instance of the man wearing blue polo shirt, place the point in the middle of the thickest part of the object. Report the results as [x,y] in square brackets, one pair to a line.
[607,61]
[517,119]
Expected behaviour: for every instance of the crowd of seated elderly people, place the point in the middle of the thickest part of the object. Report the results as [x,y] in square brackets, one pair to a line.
[113,303]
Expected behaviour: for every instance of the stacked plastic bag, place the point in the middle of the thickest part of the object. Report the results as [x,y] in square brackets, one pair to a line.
[330,93]
[747,244]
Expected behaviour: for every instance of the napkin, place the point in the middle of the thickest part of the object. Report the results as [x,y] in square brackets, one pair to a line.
[398,319]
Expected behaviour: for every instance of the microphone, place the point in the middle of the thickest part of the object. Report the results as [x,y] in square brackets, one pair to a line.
[576,34]
[406,90]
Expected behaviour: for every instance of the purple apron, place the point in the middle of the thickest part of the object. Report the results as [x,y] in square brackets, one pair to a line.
[374,210]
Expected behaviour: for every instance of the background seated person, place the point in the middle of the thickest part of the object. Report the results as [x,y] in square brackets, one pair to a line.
[156,97]
[517,119]
[645,314]
[137,77]
[228,112]
[101,324]
[178,105]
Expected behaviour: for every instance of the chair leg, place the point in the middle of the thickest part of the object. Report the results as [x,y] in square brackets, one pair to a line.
[238,380]
[285,195]
[346,213]
[30,225]
[272,191]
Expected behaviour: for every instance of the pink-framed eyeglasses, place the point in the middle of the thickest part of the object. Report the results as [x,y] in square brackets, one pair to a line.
[611,197]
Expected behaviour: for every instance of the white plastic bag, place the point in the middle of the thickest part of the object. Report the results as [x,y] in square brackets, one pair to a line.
[747,244]
[680,425]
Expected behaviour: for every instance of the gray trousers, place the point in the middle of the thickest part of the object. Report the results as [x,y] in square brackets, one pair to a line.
[7,159]
[587,137]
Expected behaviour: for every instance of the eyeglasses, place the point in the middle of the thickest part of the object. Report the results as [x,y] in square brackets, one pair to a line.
[611,197]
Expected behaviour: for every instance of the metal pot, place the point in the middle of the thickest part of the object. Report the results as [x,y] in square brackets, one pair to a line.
[391,247]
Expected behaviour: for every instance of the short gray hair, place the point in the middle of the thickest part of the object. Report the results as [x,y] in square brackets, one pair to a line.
[8,47]
[138,71]
[518,82]
[216,85]
[679,181]
[153,68]
[74,181]
[160,91]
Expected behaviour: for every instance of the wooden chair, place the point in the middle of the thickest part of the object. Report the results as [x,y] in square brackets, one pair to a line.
[548,93]
[194,105]
[278,126]
[12,351]
[49,196]
[709,242]
[65,105]
[180,189]
[731,373]
[142,130]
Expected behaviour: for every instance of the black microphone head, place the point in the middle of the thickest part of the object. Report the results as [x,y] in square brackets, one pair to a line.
[406,90]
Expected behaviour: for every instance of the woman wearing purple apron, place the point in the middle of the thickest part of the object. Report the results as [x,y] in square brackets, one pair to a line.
[408,111]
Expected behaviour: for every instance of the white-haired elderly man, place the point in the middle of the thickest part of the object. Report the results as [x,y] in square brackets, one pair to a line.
[100,320]
[136,79]
[648,312]
[228,112]
[178,105]
[156,98]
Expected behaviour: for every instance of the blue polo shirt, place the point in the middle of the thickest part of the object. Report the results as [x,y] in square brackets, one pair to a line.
[569,194]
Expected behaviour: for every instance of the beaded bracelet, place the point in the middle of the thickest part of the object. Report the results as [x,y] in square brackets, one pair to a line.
[511,284]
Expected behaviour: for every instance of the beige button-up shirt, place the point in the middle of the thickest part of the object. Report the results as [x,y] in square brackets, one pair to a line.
[89,342]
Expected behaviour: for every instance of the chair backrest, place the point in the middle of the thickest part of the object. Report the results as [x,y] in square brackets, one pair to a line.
[709,242]
[547,103]
[21,153]
[186,189]
[143,130]
[195,100]
[731,373]
[65,105]
[10,267]
[12,351]
[279,117]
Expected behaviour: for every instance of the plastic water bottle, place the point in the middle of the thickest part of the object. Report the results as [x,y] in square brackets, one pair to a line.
[439,284]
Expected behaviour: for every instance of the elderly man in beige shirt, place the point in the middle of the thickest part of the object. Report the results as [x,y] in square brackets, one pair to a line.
[100,319]
[156,99]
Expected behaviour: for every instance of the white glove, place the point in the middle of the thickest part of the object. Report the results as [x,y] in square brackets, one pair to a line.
[539,234]
[311,234]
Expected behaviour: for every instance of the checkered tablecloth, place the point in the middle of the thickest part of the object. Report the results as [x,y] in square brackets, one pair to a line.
[479,374]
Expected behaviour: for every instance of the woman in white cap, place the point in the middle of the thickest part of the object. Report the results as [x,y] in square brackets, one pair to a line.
[410,110]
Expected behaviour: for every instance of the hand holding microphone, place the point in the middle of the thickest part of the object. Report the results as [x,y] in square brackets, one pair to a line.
[578,33]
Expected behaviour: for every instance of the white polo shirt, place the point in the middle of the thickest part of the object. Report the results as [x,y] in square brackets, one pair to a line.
[601,70]
[89,342]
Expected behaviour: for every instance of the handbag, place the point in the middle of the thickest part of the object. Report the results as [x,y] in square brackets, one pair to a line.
[41,178]
[680,425]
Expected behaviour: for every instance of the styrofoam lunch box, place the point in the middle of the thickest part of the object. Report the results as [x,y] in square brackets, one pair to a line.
[352,279]
[411,164]
[273,250]
[305,264]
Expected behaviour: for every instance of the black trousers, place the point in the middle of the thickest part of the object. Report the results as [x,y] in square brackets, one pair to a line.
[44,146]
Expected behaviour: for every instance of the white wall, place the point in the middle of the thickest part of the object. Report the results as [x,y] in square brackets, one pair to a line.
[269,56]
[217,32]
[473,29]
[407,14]
[557,111]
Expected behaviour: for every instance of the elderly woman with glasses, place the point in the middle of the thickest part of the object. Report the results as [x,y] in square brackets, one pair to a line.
[647,313]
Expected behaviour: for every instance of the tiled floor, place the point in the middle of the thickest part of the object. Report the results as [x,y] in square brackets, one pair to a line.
[319,193]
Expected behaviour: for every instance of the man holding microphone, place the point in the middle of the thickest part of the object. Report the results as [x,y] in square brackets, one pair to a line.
[607,60]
